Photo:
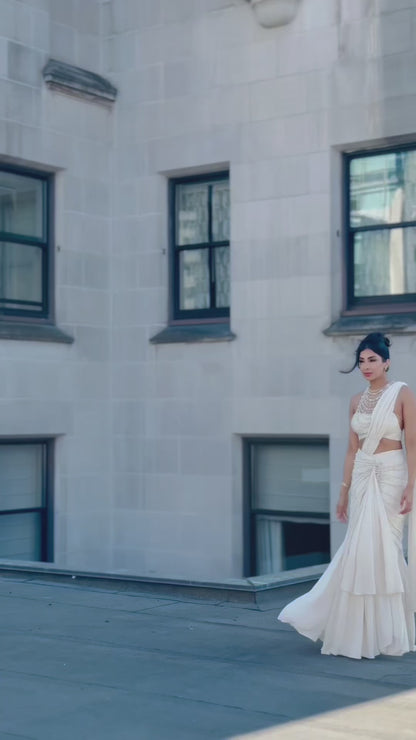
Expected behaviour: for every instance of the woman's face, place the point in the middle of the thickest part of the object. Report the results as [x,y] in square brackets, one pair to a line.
[372,365]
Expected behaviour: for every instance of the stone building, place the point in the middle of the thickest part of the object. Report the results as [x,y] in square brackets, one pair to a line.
[203,204]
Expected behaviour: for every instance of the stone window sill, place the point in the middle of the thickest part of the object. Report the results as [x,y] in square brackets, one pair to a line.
[33,332]
[191,333]
[399,323]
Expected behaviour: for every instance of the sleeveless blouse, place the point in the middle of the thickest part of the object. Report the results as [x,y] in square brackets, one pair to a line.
[360,424]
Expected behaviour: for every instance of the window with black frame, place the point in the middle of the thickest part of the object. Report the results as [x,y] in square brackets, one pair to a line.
[24,244]
[287,504]
[200,220]
[25,500]
[381,226]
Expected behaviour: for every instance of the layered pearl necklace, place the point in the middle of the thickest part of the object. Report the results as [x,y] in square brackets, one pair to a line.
[369,399]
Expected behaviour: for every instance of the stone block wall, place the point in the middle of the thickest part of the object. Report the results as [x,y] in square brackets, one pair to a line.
[149,437]
[63,390]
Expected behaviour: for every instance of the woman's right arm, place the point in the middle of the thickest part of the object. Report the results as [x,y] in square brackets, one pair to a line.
[353,444]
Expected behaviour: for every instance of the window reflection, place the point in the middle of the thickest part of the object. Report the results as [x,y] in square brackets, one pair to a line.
[384,262]
[201,245]
[194,279]
[289,508]
[383,193]
[192,213]
[24,244]
[21,204]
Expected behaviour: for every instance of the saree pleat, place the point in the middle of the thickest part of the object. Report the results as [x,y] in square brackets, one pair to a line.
[363,604]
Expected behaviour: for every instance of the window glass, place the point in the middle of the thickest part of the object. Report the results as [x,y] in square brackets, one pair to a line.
[201,247]
[286,545]
[21,476]
[383,189]
[192,213]
[194,279]
[23,501]
[289,506]
[222,276]
[221,211]
[20,275]
[385,262]
[20,536]
[21,205]
[291,478]
[381,241]
[25,259]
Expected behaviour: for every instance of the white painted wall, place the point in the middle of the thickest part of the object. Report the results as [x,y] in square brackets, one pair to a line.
[148,467]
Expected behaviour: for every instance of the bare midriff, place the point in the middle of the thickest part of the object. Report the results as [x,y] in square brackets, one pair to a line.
[386,445]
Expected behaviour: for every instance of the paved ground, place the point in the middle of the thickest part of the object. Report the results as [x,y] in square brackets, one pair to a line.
[83,664]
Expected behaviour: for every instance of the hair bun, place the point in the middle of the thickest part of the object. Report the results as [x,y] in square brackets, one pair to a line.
[377,343]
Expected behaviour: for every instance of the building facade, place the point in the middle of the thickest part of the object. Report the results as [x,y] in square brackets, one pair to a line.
[204,205]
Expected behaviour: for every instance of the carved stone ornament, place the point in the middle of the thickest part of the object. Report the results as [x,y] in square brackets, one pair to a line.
[79,82]
[273,13]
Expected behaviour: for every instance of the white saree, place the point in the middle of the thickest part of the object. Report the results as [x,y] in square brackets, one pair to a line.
[364,603]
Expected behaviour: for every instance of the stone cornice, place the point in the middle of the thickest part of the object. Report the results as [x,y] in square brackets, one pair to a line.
[273,13]
[71,80]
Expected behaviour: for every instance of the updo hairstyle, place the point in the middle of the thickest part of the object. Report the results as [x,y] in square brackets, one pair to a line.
[377,342]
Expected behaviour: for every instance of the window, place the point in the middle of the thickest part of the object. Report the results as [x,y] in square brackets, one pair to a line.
[200,221]
[24,244]
[287,505]
[25,507]
[381,226]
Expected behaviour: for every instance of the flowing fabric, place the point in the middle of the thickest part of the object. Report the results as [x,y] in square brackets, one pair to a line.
[364,603]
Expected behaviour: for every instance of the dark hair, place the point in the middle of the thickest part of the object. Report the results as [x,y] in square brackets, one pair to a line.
[377,342]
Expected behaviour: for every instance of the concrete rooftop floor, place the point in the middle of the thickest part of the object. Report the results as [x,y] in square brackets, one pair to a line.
[80,663]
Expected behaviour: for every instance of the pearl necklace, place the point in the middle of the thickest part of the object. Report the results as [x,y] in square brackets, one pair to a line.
[369,399]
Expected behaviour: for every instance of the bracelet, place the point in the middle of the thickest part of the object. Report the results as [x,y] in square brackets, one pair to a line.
[344,484]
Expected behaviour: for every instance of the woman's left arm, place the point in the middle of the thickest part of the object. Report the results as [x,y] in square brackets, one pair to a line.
[409,425]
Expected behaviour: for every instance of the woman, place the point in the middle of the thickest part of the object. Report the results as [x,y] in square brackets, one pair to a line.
[364,603]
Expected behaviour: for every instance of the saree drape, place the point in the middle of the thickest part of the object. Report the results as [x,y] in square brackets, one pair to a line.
[364,603]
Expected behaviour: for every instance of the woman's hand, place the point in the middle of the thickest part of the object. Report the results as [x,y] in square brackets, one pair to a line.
[342,507]
[406,501]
